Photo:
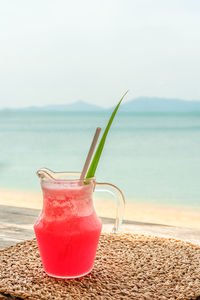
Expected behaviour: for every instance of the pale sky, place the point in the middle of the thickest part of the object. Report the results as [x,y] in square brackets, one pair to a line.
[61,51]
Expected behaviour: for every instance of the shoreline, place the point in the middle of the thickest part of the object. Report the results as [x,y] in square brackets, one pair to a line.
[134,211]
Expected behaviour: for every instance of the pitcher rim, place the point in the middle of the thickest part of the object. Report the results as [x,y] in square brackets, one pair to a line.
[49,172]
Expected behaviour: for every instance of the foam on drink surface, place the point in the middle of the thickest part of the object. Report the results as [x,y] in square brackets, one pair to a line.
[62,200]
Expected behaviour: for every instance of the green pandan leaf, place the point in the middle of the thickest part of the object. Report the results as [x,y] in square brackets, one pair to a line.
[97,155]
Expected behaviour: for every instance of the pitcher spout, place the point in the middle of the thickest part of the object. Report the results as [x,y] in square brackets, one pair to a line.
[45,174]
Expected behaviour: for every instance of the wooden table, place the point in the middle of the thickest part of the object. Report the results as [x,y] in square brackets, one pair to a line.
[16,224]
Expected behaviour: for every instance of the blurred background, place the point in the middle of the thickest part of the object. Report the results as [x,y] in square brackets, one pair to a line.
[63,67]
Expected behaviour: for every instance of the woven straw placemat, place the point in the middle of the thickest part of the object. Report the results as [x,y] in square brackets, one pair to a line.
[127,267]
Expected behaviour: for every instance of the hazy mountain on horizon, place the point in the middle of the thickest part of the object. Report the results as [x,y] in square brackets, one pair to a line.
[140,104]
[76,106]
[156,104]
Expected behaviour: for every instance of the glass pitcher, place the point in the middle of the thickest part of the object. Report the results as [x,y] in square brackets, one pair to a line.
[68,229]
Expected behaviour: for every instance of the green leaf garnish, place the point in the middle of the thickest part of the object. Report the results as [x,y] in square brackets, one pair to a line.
[98,152]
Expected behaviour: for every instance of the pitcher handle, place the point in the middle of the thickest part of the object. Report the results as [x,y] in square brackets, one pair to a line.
[119,197]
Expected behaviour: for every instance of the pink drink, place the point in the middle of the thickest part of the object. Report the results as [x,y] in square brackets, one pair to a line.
[68,229]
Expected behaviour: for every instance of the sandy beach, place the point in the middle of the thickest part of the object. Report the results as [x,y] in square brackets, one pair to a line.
[139,212]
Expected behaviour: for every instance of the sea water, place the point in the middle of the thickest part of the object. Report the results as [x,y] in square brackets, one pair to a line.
[152,157]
